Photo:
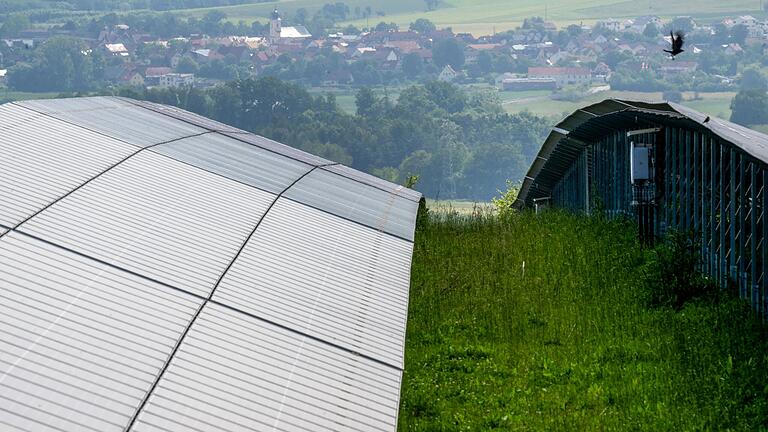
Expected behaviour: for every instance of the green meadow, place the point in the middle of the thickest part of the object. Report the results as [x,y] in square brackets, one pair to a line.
[539,102]
[482,17]
[548,323]
[715,104]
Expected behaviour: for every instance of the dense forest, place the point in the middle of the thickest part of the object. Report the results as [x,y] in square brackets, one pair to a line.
[461,144]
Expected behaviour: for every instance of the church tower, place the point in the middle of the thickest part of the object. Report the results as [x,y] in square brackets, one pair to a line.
[275,25]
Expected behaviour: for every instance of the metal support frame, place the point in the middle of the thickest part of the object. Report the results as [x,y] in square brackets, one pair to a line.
[710,188]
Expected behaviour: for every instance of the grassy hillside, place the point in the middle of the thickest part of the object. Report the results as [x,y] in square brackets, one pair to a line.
[483,16]
[261,11]
[542,323]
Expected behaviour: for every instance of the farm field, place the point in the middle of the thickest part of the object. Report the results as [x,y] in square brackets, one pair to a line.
[715,104]
[262,10]
[460,207]
[543,323]
[539,101]
[482,17]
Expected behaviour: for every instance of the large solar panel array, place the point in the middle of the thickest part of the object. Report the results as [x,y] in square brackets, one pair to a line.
[160,271]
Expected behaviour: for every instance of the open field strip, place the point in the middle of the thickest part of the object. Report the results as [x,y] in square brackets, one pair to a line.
[482,17]
[543,323]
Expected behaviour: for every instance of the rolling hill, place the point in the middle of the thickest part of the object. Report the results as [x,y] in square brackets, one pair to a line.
[486,16]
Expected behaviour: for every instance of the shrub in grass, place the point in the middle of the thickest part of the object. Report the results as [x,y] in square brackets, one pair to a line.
[673,273]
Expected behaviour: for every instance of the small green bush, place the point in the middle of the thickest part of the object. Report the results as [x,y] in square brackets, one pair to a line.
[506,199]
[673,270]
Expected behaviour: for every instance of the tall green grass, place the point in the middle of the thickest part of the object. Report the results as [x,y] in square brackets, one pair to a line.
[544,323]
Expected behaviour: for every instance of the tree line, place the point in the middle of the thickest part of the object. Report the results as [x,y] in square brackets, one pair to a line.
[460,144]
[9,6]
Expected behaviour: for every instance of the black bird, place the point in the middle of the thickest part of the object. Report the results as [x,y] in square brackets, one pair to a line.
[678,39]
[706,120]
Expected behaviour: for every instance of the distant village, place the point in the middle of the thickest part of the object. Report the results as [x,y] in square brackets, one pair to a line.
[536,56]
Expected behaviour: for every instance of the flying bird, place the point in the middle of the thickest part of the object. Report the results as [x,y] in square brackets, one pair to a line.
[678,39]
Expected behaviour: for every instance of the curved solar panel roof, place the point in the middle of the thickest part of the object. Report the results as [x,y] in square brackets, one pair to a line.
[584,125]
[160,271]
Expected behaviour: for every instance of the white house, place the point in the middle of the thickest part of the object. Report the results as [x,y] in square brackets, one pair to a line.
[611,24]
[562,75]
[448,74]
[638,24]
[117,50]
[177,80]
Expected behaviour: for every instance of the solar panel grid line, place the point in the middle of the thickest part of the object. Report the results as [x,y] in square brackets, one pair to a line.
[346,218]
[319,164]
[14,406]
[389,303]
[160,222]
[290,152]
[195,375]
[236,368]
[10,117]
[257,412]
[355,396]
[331,364]
[61,272]
[36,296]
[190,269]
[77,326]
[384,333]
[63,377]
[101,363]
[194,295]
[313,383]
[65,277]
[291,298]
[45,159]
[357,201]
[42,360]
[81,344]
[354,379]
[210,295]
[237,161]
[291,377]
[182,115]
[34,377]
[279,325]
[86,183]
[369,180]
[114,118]
[333,331]
[41,113]
[68,401]
[283,154]
[39,349]
[357,304]
[235,131]
[108,264]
